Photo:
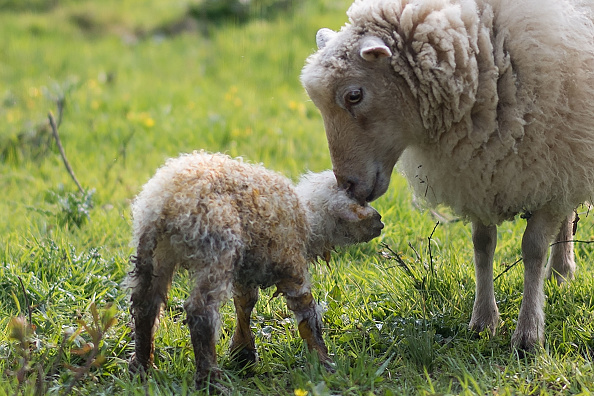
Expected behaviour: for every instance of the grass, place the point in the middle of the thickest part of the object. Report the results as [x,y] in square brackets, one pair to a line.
[137,91]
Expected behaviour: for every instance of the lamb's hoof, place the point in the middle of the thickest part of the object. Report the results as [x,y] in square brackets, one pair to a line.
[210,382]
[135,367]
[326,362]
[329,365]
[244,357]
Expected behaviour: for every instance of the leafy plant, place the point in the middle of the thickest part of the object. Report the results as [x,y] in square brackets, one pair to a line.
[72,208]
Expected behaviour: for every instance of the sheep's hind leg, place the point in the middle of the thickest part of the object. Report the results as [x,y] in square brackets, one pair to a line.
[485,314]
[561,264]
[540,231]
[309,318]
[243,346]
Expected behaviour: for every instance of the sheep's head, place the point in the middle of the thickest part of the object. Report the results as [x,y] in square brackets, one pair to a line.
[370,115]
[335,219]
[398,75]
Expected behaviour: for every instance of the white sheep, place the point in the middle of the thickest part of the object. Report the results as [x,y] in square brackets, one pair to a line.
[236,227]
[488,104]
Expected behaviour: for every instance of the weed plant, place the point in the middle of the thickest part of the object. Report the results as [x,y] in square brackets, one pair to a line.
[141,82]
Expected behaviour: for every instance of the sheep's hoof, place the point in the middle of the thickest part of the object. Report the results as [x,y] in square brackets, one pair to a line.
[525,343]
[244,357]
[560,278]
[481,322]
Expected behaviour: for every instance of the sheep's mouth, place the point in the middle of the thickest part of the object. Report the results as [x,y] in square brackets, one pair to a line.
[379,187]
[364,190]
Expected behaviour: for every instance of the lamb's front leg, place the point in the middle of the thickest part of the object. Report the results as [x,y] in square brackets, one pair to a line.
[540,230]
[309,318]
[204,322]
[484,313]
[243,347]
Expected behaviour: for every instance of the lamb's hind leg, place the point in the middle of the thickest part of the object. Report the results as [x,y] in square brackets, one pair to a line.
[243,346]
[561,264]
[540,231]
[485,314]
[213,285]
[151,279]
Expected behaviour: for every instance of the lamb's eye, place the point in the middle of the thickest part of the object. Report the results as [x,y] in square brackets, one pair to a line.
[354,96]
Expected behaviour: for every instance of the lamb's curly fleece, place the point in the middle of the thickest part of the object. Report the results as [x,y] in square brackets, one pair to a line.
[236,227]
[503,128]
[188,199]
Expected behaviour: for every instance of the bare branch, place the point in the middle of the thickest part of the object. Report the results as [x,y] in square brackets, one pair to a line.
[26,299]
[429,248]
[507,268]
[572,241]
[54,127]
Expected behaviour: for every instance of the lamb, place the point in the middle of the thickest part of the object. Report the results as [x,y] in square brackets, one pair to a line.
[487,106]
[236,227]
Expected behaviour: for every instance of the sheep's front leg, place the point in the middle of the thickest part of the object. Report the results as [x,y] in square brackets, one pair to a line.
[309,319]
[539,233]
[561,264]
[243,347]
[485,314]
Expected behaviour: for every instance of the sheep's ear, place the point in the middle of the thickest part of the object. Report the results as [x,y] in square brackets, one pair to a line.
[323,36]
[354,212]
[373,48]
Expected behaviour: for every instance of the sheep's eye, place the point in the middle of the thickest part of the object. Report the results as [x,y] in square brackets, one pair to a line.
[354,96]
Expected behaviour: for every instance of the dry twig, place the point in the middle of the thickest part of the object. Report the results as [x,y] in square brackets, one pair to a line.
[54,127]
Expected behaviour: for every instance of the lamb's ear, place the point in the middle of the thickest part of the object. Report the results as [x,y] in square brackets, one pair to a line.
[353,212]
[323,36]
[373,48]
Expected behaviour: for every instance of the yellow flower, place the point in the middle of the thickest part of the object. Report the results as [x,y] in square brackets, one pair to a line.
[301,109]
[34,92]
[148,122]
[298,107]
[143,118]
[300,392]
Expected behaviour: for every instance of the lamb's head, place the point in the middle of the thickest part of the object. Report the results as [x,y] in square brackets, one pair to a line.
[335,219]
[381,83]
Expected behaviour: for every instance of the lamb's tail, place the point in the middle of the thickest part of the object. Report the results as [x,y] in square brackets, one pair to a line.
[143,264]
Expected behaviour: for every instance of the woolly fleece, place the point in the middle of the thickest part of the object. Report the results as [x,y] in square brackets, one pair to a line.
[504,89]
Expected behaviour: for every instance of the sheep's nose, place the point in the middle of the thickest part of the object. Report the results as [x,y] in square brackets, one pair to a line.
[346,183]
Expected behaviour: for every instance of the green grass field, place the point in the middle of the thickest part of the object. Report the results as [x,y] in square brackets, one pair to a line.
[142,81]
